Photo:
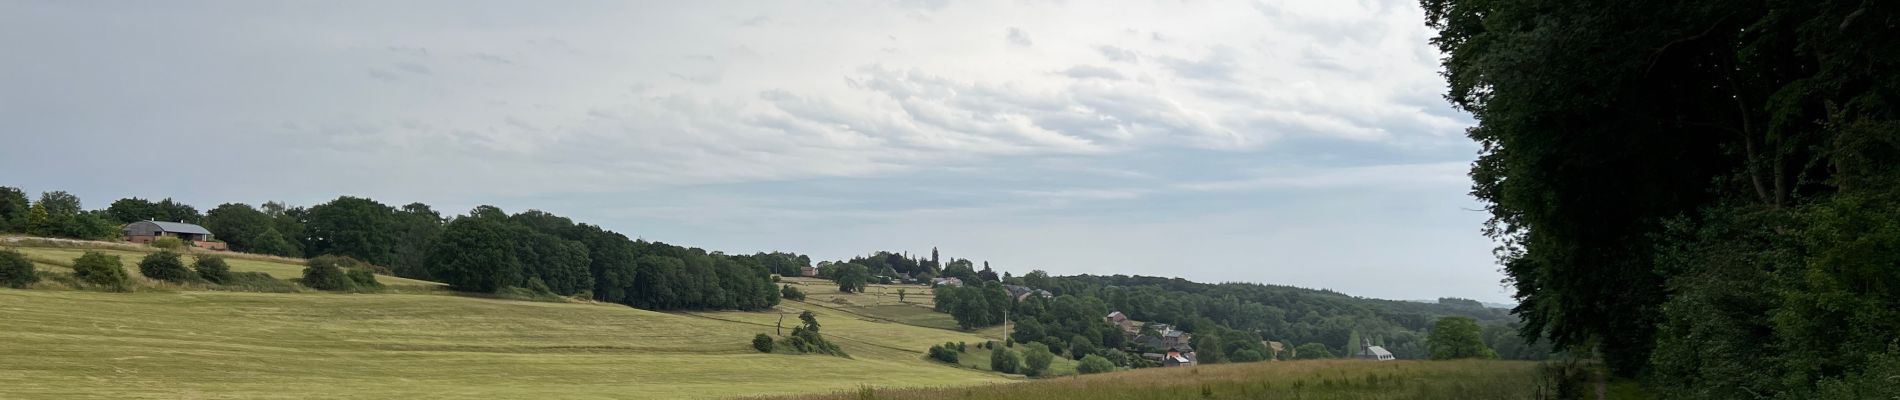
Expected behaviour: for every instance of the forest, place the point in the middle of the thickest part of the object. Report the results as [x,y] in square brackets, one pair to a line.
[1704,193]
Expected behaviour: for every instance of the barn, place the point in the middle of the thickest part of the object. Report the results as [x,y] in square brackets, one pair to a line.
[147,231]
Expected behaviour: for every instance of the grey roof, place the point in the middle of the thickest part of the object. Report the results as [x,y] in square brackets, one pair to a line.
[1374,351]
[179,227]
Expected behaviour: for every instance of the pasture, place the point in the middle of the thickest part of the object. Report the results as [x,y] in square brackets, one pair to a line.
[1312,380]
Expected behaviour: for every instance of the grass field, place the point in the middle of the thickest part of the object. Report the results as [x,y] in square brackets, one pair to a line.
[1314,380]
[80,344]
[58,258]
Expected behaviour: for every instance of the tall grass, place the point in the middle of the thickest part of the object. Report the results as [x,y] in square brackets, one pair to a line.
[1317,380]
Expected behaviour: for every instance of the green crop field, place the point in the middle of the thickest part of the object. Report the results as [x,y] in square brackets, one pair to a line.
[80,344]
[1315,380]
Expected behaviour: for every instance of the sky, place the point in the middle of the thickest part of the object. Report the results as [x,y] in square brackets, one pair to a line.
[1300,143]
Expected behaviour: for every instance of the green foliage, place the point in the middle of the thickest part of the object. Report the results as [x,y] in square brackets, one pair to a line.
[273,243]
[241,227]
[1684,124]
[362,279]
[166,266]
[1094,364]
[806,338]
[129,210]
[1246,355]
[105,270]
[851,278]
[168,243]
[762,343]
[212,268]
[945,353]
[1036,359]
[1312,351]
[1005,360]
[1458,337]
[16,271]
[476,255]
[791,293]
[13,209]
[329,273]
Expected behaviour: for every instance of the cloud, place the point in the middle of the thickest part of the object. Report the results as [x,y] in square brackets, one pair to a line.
[1089,71]
[1118,54]
[1019,38]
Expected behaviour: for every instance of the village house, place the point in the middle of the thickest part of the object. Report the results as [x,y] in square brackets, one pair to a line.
[147,231]
[1178,359]
[1369,352]
[1022,292]
[1273,349]
[808,271]
[934,282]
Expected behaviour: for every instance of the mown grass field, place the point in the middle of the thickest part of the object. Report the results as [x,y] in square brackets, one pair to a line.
[1315,380]
[81,344]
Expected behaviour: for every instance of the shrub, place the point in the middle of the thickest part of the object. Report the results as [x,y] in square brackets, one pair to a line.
[168,243]
[15,270]
[212,268]
[944,354]
[762,343]
[166,266]
[1094,364]
[258,282]
[1036,360]
[101,269]
[1004,361]
[324,274]
[791,293]
[363,279]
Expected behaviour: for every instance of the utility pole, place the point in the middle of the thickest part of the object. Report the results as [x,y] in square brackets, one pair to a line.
[1006,327]
[781,323]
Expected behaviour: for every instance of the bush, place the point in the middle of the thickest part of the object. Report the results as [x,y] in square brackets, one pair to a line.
[257,282]
[168,243]
[363,279]
[791,293]
[1004,361]
[762,343]
[166,266]
[943,353]
[212,268]
[1036,360]
[15,270]
[325,274]
[101,269]
[1094,364]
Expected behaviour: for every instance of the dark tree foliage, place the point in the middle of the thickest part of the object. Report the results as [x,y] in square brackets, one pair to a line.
[1664,174]
[1458,337]
[851,278]
[13,209]
[1094,364]
[331,273]
[352,226]
[212,268]
[133,209]
[239,225]
[791,293]
[1004,360]
[944,353]
[478,255]
[15,270]
[166,266]
[273,243]
[806,338]
[104,270]
[762,343]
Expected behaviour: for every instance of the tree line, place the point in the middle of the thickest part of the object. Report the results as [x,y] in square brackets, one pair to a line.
[1704,192]
[485,250]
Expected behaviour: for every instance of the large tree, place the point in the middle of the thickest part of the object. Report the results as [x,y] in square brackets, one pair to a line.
[13,209]
[238,225]
[1457,337]
[1615,133]
[352,226]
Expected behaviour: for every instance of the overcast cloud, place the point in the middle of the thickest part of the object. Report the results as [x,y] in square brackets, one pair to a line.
[1298,142]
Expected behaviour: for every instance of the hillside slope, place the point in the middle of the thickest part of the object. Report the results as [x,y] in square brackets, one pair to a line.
[72,344]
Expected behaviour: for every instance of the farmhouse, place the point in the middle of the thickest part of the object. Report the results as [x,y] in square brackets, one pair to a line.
[1022,292]
[1369,352]
[808,271]
[147,231]
[934,282]
[1178,359]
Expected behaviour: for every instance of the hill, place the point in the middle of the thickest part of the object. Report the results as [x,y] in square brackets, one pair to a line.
[79,344]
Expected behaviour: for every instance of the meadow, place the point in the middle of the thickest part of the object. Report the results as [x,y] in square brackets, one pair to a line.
[82,344]
[1312,380]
